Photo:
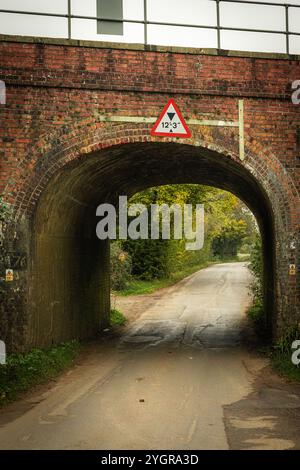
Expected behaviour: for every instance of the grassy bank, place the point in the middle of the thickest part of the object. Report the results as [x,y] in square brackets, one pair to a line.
[117,318]
[139,287]
[23,371]
[281,356]
[281,353]
[283,365]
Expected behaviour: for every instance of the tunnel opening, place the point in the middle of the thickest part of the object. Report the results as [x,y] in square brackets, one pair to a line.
[207,297]
[70,265]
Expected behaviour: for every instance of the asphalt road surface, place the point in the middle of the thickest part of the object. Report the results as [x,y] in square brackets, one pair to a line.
[178,377]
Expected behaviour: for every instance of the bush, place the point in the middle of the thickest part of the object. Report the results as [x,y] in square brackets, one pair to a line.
[158,259]
[150,258]
[120,266]
[226,244]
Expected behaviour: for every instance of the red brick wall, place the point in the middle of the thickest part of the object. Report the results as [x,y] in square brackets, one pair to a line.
[56,93]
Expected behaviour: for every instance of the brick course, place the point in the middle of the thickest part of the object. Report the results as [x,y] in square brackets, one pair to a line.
[56,94]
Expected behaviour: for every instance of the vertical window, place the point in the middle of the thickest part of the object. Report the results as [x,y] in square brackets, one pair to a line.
[112,9]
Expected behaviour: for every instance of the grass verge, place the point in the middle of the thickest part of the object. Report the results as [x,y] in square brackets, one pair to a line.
[281,356]
[117,318]
[23,371]
[281,353]
[140,287]
[282,363]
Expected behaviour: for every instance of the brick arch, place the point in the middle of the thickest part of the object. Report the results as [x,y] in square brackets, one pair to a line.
[54,154]
[53,151]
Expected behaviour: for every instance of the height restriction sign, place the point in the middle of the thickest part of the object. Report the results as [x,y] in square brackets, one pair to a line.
[170,123]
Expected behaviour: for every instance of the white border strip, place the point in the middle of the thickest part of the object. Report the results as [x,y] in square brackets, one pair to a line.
[241,130]
[150,120]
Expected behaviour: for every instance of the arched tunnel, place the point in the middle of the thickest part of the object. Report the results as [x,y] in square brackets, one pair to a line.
[70,266]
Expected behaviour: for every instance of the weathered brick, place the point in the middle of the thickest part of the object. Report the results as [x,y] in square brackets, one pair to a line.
[50,124]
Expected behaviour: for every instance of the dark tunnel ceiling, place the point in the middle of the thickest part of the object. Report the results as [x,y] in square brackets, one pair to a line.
[129,168]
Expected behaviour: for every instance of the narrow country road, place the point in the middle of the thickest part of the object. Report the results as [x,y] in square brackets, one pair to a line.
[179,377]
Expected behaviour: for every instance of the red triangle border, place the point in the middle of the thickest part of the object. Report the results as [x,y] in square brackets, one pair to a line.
[167,134]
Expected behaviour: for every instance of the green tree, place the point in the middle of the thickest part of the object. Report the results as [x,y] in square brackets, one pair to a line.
[228,223]
[227,243]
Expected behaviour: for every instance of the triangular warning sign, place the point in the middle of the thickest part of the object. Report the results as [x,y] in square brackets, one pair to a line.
[170,123]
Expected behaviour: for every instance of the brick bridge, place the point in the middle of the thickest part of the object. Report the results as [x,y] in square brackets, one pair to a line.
[73,136]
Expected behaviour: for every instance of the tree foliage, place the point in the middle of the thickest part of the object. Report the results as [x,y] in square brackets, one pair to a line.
[228,223]
[229,239]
